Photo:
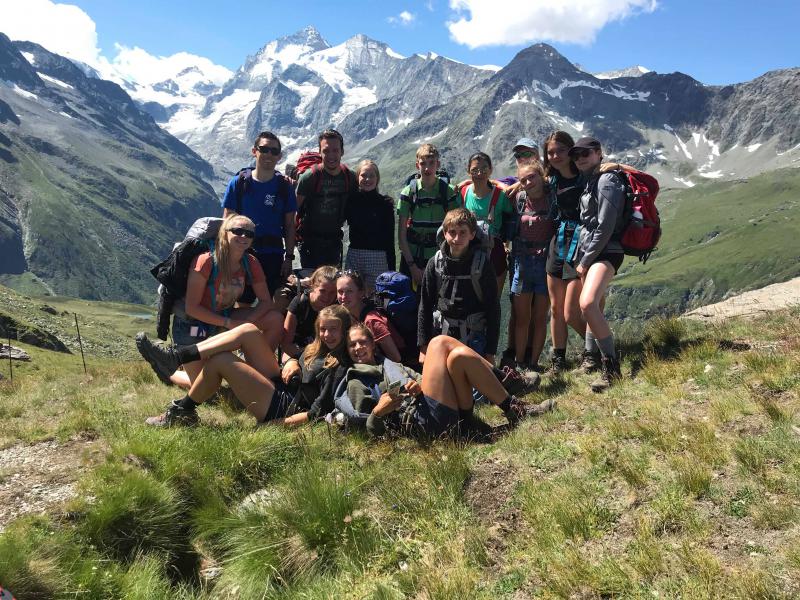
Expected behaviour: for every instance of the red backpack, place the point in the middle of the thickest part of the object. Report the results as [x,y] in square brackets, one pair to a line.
[642,221]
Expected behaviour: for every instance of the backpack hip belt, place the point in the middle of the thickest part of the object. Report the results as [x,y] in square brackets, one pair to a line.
[476,322]
[268,241]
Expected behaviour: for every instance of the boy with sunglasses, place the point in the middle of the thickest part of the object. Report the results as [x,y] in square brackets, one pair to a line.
[266,197]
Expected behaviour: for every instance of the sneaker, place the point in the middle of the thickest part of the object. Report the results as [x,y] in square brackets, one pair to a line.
[558,365]
[609,373]
[519,381]
[590,363]
[174,415]
[162,359]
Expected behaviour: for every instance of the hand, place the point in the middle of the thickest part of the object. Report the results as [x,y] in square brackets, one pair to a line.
[386,404]
[581,271]
[295,420]
[286,267]
[290,369]
[416,274]
[413,388]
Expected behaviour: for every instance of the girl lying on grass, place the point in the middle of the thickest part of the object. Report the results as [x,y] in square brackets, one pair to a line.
[257,381]
[386,396]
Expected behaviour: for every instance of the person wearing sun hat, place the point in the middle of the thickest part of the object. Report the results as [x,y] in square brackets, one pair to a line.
[600,254]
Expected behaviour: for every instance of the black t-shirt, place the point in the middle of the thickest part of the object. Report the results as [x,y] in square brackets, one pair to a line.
[370,217]
[568,196]
[301,308]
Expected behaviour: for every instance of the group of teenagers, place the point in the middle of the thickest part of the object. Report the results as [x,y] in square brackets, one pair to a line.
[330,349]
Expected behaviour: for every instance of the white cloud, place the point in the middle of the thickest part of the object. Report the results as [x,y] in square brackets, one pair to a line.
[510,22]
[61,28]
[135,64]
[67,30]
[404,18]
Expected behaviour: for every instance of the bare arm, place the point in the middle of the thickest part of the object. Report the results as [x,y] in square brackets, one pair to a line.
[194,295]
[289,329]
[389,349]
[289,241]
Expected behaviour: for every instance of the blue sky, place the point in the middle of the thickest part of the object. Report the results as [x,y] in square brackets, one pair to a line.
[715,41]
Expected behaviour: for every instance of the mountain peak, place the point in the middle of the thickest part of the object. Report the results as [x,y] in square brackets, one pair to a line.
[308,36]
[635,71]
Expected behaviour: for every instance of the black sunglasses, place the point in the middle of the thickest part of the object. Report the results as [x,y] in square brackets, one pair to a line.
[269,150]
[241,231]
[580,152]
[524,154]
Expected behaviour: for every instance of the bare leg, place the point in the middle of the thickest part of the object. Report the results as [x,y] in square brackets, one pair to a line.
[247,338]
[595,284]
[271,324]
[541,304]
[501,281]
[181,379]
[252,389]
[522,319]
[452,370]
[557,289]
[572,308]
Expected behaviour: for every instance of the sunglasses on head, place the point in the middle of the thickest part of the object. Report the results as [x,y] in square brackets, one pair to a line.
[524,154]
[269,150]
[241,231]
[580,152]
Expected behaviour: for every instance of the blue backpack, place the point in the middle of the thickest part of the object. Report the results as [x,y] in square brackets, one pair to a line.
[394,294]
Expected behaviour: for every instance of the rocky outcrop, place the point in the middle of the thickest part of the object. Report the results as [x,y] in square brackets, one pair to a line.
[11,328]
[768,299]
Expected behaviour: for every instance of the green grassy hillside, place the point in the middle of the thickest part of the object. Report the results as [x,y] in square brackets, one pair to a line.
[681,482]
[720,238]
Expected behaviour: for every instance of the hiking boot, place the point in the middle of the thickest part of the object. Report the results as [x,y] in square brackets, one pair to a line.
[519,381]
[163,360]
[609,373]
[558,365]
[590,363]
[174,415]
[543,407]
[515,412]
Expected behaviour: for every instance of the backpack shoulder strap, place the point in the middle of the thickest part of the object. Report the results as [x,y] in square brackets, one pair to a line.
[413,192]
[496,191]
[444,192]
[316,173]
[478,263]
[243,179]
[464,191]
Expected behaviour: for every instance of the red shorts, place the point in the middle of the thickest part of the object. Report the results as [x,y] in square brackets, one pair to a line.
[498,258]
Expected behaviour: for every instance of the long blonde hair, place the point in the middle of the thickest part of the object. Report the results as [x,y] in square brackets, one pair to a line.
[222,248]
[317,348]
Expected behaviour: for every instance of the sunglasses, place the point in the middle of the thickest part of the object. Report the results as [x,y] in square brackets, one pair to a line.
[478,171]
[269,150]
[242,232]
[580,152]
[524,154]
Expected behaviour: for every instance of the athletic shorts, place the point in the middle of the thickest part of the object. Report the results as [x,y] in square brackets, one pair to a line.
[614,258]
[432,419]
[281,404]
[498,258]
[187,331]
[529,276]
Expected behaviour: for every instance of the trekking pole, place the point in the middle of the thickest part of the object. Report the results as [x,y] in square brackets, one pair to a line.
[80,343]
[10,364]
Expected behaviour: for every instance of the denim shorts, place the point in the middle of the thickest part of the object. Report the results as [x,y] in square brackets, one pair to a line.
[530,276]
[187,331]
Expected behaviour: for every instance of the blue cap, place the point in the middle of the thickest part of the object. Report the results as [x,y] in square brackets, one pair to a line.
[526,143]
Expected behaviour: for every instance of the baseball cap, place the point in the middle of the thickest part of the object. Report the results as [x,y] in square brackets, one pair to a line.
[526,143]
[586,142]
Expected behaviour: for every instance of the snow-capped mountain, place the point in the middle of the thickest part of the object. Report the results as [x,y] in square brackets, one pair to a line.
[636,71]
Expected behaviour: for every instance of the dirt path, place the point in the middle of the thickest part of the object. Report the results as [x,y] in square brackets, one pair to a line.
[37,478]
[751,304]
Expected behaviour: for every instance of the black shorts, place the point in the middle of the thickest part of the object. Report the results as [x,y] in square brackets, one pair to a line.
[614,258]
[282,403]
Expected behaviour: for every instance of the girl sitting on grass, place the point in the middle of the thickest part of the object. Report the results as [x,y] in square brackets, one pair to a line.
[437,403]
[320,366]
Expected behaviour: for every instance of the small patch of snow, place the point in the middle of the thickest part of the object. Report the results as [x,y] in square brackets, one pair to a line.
[24,93]
[685,182]
[494,68]
[29,57]
[712,174]
[63,114]
[58,82]
[753,147]
[393,54]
